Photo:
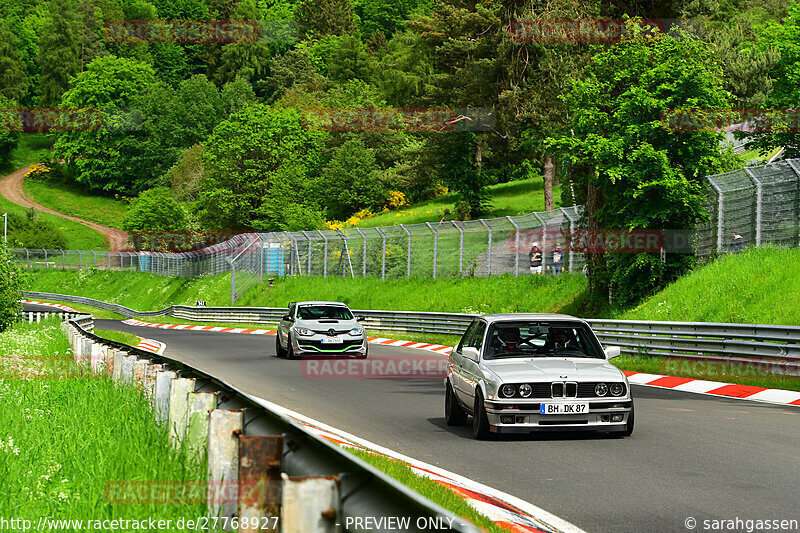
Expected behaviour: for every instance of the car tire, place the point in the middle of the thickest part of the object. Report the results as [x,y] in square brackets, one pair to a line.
[480,422]
[628,426]
[279,351]
[366,354]
[454,414]
[290,349]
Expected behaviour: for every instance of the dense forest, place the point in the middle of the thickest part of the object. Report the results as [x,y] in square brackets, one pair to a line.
[225,133]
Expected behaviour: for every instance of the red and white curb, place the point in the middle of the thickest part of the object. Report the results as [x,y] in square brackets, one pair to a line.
[436,348]
[150,345]
[505,510]
[716,388]
[48,304]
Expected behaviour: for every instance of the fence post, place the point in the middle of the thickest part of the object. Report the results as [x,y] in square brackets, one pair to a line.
[383,254]
[794,167]
[460,247]
[80,259]
[363,254]
[28,258]
[571,235]
[435,246]
[488,249]
[308,261]
[233,280]
[408,255]
[720,214]
[63,260]
[544,241]
[516,245]
[261,260]
[325,254]
[95,258]
[759,205]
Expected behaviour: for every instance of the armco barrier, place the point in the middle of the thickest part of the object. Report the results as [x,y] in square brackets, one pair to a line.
[745,343]
[286,471]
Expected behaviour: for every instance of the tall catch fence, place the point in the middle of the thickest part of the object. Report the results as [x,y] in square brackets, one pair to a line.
[760,203]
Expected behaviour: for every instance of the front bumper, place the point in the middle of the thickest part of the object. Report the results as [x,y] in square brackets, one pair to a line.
[314,345]
[507,417]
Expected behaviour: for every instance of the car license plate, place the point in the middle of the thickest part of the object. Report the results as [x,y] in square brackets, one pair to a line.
[563,408]
[331,340]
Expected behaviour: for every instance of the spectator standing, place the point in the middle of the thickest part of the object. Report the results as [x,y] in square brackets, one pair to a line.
[535,256]
[737,243]
[558,261]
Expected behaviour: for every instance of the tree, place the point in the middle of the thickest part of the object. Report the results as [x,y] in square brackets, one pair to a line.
[154,210]
[13,82]
[59,51]
[8,136]
[349,181]
[11,283]
[258,165]
[243,60]
[91,32]
[318,18]
[94,158]
[637,174]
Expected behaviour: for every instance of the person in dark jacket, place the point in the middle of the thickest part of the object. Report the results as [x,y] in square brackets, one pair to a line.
[535,256]
[737,242]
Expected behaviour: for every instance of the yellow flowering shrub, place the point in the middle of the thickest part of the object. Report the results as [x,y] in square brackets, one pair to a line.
[38,171]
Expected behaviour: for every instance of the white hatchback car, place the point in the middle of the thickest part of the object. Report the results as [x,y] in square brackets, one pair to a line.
[519,373]
[322,329]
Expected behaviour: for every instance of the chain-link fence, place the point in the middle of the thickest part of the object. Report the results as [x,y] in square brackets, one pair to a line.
[762,204]
[759,203]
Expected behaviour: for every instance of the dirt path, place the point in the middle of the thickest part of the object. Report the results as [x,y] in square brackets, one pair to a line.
[11,188]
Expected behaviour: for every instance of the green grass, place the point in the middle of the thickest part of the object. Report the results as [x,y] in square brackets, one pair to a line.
[758,286]
[118,336]
[74,201]
[32,148]
[79,237]
[148,292]
[88,309]
[514,198]
[62,441]
[756,154]
[434,491]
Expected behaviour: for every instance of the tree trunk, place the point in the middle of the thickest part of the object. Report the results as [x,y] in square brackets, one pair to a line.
[548,172]
[479,154]
[598,282]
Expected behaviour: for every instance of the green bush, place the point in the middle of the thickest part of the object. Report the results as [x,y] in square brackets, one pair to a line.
[30,232]
[11,282]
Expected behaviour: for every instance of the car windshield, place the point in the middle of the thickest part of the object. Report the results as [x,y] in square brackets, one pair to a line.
[541,339]
[324,312]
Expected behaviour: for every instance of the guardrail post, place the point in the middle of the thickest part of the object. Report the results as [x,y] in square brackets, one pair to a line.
[178,409]
[126,376]
[224,428]
[260,481]
[305,500]
[383,254]
[200,406]
[516,245]
[148,384]
[408,255]
[161,390]
[435,246]
[139,367]
[363,253]
[488,249]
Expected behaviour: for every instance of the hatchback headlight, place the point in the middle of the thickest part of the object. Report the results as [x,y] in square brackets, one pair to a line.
[617,389]
[357,330]
[601,389]
[508,390]
[304,332]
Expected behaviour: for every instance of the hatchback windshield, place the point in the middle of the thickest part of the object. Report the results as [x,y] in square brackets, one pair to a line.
[541,339]
[324,312]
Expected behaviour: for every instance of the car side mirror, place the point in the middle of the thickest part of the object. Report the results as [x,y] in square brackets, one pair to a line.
[470,353]
[361,318]
[288,318]
[612,352]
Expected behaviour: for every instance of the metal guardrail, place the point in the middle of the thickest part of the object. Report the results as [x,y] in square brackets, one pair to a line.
[362,490]
[746,343]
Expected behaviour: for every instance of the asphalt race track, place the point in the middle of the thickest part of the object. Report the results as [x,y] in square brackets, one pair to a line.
[689,456]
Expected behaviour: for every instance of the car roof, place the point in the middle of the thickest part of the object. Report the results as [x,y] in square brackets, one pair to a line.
[320,302]
[510,317]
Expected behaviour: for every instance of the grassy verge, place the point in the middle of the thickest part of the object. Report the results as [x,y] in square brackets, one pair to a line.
[118,336]
[148,292]
[757,286]
[79,237]
[74,201]
[62,440]
[88,309]
[436,492]
[514,198]
[709,371]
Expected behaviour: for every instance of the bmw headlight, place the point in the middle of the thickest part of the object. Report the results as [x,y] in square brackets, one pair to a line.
[304,332]
[508,390]
[617,389]
[525,390]
[601,389]
[357,331]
